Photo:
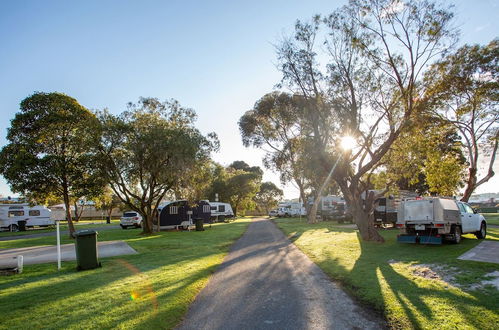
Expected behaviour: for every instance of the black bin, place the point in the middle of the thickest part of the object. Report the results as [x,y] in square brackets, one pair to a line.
[86,249]
[199,224]
[21,224]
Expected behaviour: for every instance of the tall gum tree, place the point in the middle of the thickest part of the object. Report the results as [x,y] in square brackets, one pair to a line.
[376,52]
[465,92]
[51,150]
[146,150]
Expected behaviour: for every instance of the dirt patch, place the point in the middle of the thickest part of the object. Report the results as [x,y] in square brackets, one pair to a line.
[448,275]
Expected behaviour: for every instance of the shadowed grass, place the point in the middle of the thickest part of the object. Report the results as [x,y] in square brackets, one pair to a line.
[380,275]
[492,218]
[152,289]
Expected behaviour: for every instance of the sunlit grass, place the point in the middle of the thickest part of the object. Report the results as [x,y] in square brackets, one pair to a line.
[492,218]
[152,289]
[382,276]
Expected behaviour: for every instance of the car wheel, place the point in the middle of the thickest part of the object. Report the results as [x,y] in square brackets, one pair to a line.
[482,232]
[457,234]
[13,227]
[123,227]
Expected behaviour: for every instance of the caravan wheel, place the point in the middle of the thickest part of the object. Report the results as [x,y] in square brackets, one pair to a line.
[13,227]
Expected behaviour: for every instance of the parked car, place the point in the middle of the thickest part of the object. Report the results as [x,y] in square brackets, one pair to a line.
[273,213]
[431,220]
[131,219]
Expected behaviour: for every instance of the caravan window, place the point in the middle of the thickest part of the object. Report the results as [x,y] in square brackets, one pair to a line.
[206,209]
[221,208]
[16,214]
[34,213]
[173,209]
[213,208]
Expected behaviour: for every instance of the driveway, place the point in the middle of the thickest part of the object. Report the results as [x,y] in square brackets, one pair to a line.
[52,233]
[44,254]
[266,282]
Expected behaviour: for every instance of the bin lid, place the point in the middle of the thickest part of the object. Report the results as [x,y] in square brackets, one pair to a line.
[85,232]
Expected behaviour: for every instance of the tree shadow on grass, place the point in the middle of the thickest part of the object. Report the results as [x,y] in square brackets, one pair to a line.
[374,265]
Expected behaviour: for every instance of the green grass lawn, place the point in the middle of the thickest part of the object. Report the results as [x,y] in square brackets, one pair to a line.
[152,289]
[492,218]
[382,276]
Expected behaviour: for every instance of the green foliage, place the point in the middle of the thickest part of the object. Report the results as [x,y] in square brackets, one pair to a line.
[427,158]
[237,184]
[268,196]
[146,151]
[51,149]
[464,89]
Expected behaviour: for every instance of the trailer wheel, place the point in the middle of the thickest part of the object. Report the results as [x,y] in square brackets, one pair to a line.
[13,227]
[482,232]
[123,227]
[456,231]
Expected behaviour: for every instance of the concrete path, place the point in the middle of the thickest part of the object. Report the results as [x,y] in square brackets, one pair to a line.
[487,251]
[267,283]
[52,233]
[45,254]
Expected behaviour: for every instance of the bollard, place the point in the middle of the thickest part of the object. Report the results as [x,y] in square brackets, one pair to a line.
[20,261]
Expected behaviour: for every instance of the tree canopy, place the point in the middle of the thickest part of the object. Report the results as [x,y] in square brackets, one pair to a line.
[51,150]
[146,150]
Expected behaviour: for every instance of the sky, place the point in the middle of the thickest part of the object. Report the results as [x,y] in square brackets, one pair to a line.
[217,57]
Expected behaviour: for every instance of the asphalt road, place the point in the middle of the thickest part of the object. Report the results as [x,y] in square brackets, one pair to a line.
[52,233]
[265,282]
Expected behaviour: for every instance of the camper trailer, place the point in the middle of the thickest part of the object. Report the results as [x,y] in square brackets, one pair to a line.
[14,217]
[291,209]
[220,211]
[181,214]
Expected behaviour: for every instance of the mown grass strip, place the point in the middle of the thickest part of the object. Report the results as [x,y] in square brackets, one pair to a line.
[383,276]
[152,289]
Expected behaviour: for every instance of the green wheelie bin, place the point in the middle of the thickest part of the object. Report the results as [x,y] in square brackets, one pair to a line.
[87,256]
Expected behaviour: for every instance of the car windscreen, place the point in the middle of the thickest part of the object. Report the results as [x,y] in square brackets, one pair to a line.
[129,214]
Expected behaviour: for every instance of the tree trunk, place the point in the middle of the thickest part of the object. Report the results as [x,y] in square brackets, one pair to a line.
[470,184]
[68,210]
[363,215]
[147,225]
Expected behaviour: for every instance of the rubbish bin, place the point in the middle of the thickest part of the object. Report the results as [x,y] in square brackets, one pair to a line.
[21,225]
[199,224]
[86,249]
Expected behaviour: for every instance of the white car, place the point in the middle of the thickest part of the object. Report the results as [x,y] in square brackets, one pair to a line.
[273,213]
[131,219]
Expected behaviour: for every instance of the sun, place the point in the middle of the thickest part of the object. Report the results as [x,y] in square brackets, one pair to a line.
[348,143]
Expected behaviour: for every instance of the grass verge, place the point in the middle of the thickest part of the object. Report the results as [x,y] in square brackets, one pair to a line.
[492,218]
[386,277]
[152,289]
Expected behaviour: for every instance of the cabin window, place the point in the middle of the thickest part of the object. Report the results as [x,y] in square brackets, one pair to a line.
[129,214]
[34,213]
[173,209]
[206,209]
[221,208]
[461,208]
[468,208]
[16,214]
[326,203]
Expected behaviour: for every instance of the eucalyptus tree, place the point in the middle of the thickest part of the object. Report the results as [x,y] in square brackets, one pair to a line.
[146,150]
[369,87]
[51,150]
[268,196]
[274,124]
[465,92]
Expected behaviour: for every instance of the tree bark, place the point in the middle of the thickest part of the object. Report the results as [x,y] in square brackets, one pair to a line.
[362,211]
[470,184]
[67,204]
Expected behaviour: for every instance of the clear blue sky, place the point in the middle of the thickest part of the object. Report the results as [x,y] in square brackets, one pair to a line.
[214,56]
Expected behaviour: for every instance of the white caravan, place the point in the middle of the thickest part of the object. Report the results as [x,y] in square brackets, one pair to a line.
[11,214]
[291,209]
[220,210]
